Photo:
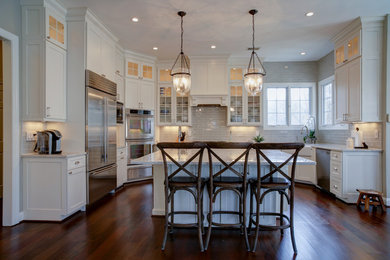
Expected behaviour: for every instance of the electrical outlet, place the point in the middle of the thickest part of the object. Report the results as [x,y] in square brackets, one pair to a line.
[376,134]
[30,137]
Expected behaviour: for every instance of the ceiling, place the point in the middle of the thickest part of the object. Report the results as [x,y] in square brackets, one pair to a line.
[282,29]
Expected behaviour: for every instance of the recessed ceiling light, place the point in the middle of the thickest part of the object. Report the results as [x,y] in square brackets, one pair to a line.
[213,46]
[303,53]
[155,48]
[134,19]
[309,14]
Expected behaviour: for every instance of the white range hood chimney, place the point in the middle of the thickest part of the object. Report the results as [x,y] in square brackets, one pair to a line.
[209,100]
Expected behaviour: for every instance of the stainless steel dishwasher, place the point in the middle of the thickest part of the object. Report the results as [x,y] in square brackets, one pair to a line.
[323,168]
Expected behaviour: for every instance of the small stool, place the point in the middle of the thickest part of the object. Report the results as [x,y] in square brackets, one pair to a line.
[370,197]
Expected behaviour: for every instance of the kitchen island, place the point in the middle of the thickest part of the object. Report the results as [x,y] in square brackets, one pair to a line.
[227,200]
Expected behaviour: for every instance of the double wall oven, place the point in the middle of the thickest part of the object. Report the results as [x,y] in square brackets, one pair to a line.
[139,141]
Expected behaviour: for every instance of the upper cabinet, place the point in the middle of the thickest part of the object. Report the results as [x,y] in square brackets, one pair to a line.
[348,49]
[119,63]
[140,81]
[44,59]
[173,108]
[101,52]
[358,71]
[244,109]
[209,76]
[139,70]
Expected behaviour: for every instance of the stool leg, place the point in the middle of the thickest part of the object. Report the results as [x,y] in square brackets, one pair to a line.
[281,213]
[292,219]
[257,220]
[166,221]
[209,218]
[250,209]
[172,211]
[382,203]
[199,209]
[244,219]
[367,203]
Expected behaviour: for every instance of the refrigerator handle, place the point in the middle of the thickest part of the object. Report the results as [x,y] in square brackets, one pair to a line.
[105,129]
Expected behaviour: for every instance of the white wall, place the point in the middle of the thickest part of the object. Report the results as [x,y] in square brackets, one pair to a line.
[10,16]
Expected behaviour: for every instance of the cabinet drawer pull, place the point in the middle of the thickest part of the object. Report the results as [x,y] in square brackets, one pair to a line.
[70,172]
[122,158]
[117,72]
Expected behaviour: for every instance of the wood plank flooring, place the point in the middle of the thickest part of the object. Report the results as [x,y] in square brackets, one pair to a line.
[122,228]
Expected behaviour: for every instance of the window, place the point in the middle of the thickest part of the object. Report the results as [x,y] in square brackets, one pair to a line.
[326,105]
[288,105]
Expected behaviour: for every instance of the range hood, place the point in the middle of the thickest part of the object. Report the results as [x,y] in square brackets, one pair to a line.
[209,100]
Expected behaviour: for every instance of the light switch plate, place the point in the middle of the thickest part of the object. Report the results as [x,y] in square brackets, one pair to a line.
[30,136]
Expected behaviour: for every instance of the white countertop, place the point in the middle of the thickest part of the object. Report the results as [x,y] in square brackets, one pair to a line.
[342,148]
[228,155]
[61,155]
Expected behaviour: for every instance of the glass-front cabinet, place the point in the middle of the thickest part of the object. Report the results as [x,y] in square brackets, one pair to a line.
[174,109]
[348,49]
[244,109]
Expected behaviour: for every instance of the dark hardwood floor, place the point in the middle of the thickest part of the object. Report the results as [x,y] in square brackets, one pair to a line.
[122,228]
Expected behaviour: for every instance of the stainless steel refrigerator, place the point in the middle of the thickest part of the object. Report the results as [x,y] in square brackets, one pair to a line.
[100,135]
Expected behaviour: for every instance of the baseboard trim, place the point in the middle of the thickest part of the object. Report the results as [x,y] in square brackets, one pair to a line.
[158,212]
[21,216]
[387,201]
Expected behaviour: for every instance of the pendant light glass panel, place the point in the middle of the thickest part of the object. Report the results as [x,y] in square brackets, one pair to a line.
[181,75]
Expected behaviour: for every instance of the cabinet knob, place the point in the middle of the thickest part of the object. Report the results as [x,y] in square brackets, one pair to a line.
[345,60]
[122,158]
[70,172]
[335,168]
[48,37]
[117,72]
[77,162]
[335,186]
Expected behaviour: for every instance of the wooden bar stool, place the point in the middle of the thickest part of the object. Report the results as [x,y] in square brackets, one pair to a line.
[219,182]
[370,197]
[263,185]
[185,180]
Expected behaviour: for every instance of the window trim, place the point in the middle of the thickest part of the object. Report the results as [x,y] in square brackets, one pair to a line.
[334,126]
[288,86]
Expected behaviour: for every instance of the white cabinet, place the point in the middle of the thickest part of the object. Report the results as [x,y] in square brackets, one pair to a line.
[358,71]
[43,62]
[209,77]
[100,52]
[173,108]
[120,88]
[55,82]
[243,108]
[54,186]
[139,94]
[121,161]
[355,170]
[305,173]
[141,70]
[119,63]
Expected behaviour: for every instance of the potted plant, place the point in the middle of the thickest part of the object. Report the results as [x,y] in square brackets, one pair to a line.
[258,139]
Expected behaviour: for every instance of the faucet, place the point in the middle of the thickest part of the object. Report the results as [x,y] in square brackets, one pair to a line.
[306,129]
[179,134]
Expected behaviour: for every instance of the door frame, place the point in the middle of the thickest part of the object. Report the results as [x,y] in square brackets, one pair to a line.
[11,133]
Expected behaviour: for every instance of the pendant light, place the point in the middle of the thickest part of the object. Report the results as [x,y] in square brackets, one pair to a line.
[253,78]
[181,68]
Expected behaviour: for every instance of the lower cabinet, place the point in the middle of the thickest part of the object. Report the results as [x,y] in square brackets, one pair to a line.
[54,186]
[305,173]
[121,161]
[354,170]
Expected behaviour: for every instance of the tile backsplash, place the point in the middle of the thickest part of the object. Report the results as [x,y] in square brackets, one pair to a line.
[210,124]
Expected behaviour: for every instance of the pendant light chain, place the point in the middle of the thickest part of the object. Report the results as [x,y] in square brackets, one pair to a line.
[253,39]
[182,33]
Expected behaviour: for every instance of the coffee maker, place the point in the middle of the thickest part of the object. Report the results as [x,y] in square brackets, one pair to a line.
[48,142]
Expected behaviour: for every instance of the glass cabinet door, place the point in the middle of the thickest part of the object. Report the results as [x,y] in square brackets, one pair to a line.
[56,31]
[254,108]
[165,108]
[147,72]
[235,74]
[132,69]
[182,108]
[353,47]
[236,104]
[340,55]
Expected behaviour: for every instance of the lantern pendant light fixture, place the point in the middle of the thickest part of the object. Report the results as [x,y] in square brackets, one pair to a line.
[181,68]
[253,78]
